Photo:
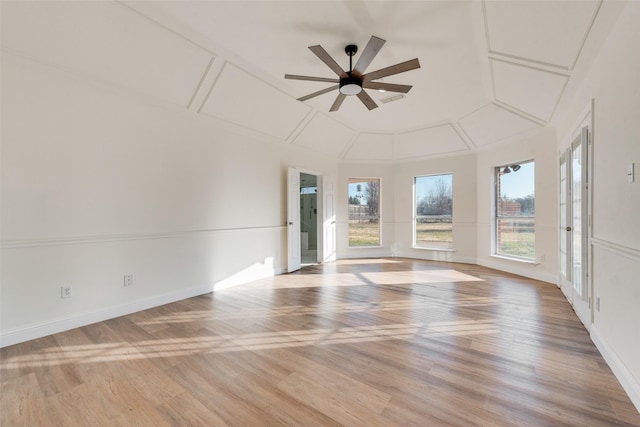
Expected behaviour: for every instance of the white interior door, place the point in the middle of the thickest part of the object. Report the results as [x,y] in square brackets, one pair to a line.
[293,220]
[329,219]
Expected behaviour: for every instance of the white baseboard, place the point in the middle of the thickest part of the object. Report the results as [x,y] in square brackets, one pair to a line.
[628,382]
[61,324]
[526,272]
[435,255]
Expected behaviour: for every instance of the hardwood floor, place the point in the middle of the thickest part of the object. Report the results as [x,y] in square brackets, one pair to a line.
[380,342]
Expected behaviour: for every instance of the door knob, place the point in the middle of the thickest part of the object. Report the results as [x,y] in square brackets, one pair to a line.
[567,229]
[290,223]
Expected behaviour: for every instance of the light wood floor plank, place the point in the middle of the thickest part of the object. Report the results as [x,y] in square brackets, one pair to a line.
[370,342]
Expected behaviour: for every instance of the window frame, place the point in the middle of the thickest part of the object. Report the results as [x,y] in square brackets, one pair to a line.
[415,214]
[359,180]
[497,216]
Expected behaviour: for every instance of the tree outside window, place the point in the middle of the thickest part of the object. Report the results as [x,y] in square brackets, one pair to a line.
[433,219]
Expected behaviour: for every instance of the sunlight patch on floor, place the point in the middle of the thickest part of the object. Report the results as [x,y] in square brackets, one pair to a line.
[173,347]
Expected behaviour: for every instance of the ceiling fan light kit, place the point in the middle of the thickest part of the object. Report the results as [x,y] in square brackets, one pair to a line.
[350,85]
[353,82]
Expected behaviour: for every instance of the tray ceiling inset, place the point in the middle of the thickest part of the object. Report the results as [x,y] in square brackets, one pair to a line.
[431,141]
[371,146]
[325,135]
[108,41]
[493,123]
[549,32]
[257,105]
[533,91]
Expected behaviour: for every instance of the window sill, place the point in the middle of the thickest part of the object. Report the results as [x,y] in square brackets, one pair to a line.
[516,259]
[434,249]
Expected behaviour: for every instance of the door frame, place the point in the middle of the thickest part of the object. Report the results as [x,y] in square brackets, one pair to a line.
[582,304]
[324,225]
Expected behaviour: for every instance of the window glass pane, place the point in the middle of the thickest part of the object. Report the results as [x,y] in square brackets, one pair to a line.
[563,214]
[515,210]
[433,226]
[364,212]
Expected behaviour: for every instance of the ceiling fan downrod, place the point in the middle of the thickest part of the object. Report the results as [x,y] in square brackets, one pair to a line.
[350,85]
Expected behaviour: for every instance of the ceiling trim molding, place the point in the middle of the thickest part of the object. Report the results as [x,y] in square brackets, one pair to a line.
[435,156]
[130,7]
[464,132]
[531,67]
[349,145]
[205,76]
[89,79]
[448,124]
[586,34]
[542,70]
[511,138]
[494,53]
[519,112]
[300,127]
[506,108]
[560,96]
[486,24]
[221,67]
[535,61]
[354,133]
[463,136]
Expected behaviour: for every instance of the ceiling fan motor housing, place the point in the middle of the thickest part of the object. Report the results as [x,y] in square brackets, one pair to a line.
[350,85]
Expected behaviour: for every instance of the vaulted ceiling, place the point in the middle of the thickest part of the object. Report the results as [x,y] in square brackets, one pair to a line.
[489,69]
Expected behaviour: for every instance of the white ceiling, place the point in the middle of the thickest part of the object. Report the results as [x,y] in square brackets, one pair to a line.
[489,69]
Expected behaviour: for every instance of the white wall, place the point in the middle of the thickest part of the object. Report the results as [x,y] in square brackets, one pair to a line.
[540,147]
[613,82]
[98,182]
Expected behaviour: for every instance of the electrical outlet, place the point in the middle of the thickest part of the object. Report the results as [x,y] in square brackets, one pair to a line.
[542,259]
[66,292]
[598,304]
[128,280]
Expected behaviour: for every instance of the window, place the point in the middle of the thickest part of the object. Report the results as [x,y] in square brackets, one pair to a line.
[515,210]
[364,212]
[433,219]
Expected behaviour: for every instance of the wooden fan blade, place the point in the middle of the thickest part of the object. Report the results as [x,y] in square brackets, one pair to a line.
[389,87]
[320,92]
[311,79]
[366,100]
[411,64]
[370,51]
[338,102]
[327,59]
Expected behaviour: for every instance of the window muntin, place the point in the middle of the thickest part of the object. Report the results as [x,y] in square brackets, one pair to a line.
[364,212]
[515,210]
[433,214]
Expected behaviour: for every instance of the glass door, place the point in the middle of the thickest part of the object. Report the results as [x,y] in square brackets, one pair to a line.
[565,226]
[578,222]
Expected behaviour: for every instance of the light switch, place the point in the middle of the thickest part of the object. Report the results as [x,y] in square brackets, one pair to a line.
[631,173]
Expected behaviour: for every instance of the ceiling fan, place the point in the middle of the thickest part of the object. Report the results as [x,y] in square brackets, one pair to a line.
[353,82]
